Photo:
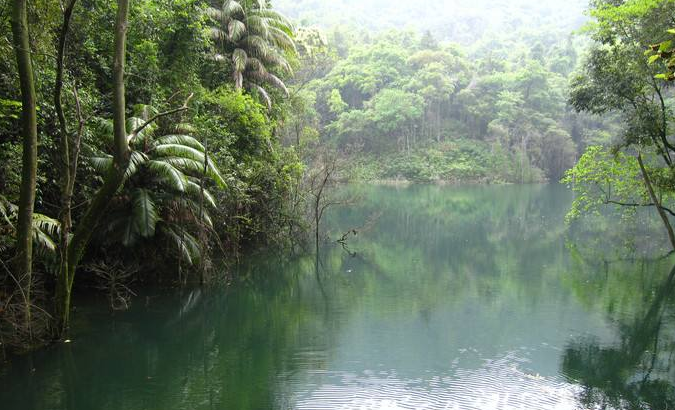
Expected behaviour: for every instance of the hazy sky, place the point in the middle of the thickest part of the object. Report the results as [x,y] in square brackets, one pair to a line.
[447,18]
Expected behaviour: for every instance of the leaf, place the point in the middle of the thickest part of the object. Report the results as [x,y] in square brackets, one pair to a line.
[169,174]
[144,213]
[185,243]
[182,140]
[654,58]
[136,160]
[45,229]
[186,157]
[665,46]
[195,191]
[239,59]
[101,164]
[236,30]
[6,210]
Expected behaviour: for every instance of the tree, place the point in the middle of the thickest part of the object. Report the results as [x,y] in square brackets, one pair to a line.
[395,112]
[164,193]
[112,182]
[255,41]
[155,175]
[24,231]
[616,77]
[68,144]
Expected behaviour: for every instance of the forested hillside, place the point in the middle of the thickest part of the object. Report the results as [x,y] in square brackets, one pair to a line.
[405,105]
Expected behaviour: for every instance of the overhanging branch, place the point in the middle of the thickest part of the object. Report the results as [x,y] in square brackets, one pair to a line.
[639,205]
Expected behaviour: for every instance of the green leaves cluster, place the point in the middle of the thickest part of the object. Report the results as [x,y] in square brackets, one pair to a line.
[167,189]
[664,53]
[602,178]
[255,42]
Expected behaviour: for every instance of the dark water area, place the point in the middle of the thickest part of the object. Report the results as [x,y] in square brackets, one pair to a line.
[448,298]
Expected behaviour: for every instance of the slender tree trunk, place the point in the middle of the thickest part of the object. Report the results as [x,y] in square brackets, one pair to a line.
[438,121]
[67,168]
[113,179]
[203,239]
[655,200]
[24,245]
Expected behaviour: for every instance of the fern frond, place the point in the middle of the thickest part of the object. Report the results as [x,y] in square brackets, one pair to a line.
[45,229]
[168,174]
[263,93]
[101,164]
[180,140]
[144,213]
[185,243]
[136,161]
[239,59]
[179,150]
[197,167]
[194,190]
[6,210]
[236,30]
[232,8]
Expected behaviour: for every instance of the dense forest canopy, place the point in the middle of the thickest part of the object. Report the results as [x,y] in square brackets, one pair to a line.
[416,103]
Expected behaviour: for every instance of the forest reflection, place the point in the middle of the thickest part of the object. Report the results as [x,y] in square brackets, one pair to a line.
[449,292]
[637,371]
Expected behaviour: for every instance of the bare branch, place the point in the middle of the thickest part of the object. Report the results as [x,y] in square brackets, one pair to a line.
[184,107]
[608,201]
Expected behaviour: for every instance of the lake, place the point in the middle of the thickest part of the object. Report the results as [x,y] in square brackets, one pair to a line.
[472,297]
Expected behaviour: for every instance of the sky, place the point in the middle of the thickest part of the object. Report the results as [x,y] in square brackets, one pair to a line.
[456,20]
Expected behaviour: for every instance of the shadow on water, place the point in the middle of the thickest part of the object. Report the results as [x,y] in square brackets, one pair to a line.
[638,372]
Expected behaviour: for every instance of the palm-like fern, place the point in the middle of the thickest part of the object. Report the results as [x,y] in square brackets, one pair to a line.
[164,193]
[45,229]
[255,40]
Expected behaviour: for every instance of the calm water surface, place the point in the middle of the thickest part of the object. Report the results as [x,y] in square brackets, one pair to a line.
[448,298]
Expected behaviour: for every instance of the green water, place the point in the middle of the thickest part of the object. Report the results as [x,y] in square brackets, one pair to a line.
[448,298]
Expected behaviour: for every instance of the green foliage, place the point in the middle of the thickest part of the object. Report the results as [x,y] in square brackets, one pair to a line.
[457,161]
[335,103]
[396,94]
[166,192]
[601,178]
[664,53]
[617,77]
[45,230]
[255,207]
[256,40]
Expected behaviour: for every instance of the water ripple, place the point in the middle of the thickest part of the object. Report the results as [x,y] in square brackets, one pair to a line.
[497,385]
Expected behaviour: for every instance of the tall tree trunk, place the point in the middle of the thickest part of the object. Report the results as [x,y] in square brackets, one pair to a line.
[68,165]
[24,246]
[113,179]
[656,201]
